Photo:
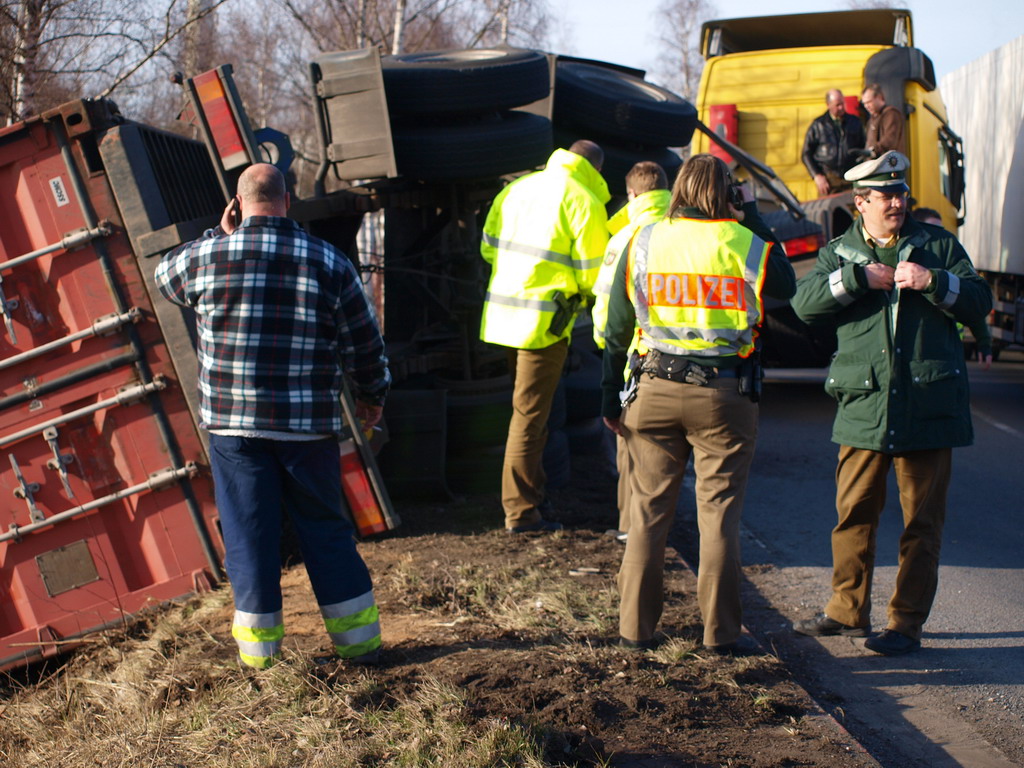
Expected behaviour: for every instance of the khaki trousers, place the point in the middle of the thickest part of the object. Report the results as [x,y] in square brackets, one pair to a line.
[666,423]
[535,374]
[625,468]
[923,479]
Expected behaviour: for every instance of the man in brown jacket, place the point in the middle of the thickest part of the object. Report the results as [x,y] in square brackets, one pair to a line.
[885,123]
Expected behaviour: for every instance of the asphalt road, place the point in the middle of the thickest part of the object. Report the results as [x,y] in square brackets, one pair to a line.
[960,700]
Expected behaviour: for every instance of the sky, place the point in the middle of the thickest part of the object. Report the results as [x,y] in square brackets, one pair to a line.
[951,32]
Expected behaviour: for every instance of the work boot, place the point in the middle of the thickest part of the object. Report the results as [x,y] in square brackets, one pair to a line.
[541,526]
[822,626]
[892,643]
[744,645]
[638,645]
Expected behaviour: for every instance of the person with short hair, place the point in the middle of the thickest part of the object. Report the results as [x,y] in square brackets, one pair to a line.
[690,289]
[544,238]
[648,197]
[886,125]
[894,291]
[832,144]
[281,318]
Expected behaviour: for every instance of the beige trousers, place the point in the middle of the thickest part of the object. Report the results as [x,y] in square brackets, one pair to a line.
[625,468]
[923,479]
[665,424]
[535,374]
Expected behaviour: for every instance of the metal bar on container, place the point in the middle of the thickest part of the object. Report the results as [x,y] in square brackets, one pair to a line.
[73,240]
[155,482]
[100,327]
[142,366]
[123,397]
[36,391]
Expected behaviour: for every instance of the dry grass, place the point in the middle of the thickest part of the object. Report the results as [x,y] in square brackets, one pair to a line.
[163,702]
[170,698]
[168,693]
[511,597]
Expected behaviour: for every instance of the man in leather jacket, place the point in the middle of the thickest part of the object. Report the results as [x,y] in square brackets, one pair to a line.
[831,144]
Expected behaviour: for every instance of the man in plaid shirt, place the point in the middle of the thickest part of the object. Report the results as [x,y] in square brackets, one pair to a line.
[281,318]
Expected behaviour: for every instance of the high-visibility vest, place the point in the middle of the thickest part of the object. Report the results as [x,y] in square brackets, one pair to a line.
[696,286]
[545,233]
[642,210]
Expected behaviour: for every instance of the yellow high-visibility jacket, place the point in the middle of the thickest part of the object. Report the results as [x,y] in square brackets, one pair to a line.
[545,233]
[696,285]
[642,210]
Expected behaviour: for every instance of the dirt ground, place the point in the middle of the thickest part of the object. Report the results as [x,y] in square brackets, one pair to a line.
[601,704]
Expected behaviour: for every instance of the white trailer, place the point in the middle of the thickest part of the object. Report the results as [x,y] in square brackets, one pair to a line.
[985,103]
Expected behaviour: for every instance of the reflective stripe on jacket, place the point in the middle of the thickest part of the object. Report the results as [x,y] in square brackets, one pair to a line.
[898,377]
[545,233]
[696,285]
[642,210]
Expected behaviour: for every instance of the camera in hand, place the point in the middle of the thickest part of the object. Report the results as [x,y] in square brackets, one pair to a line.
[735,195]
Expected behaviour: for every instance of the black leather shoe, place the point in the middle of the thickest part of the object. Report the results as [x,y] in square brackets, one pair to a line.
[745,645]
[542,526]
[892,643]
[822,625]
[638,645]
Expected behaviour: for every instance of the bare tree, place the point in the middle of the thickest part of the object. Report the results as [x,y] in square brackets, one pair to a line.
[682,63]
[52,50]
[401,6]
[417,25]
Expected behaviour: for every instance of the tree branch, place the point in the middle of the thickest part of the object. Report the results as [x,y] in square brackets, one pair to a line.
[168,36]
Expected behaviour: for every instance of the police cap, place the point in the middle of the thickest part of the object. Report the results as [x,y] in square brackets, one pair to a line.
[886,173]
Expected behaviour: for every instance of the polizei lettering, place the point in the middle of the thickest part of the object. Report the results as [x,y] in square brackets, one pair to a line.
[673,289]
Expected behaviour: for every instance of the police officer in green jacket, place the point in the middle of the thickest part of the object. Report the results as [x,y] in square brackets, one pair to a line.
[895,291]
[544,238]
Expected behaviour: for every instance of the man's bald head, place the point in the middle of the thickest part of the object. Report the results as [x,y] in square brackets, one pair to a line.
[262,190]
[835,103]
[590,150]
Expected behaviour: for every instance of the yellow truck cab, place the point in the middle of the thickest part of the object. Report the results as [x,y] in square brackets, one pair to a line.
[765,80]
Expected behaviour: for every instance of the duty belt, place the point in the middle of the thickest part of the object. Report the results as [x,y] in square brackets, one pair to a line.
[678,368]
[682,369]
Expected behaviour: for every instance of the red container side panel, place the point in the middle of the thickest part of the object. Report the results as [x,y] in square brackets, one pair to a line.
[106,503]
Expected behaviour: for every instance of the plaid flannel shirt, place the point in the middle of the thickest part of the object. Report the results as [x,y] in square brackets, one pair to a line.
[280,316]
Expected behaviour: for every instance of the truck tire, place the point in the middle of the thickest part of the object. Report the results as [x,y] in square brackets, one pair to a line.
[473,81]
[500,144]
[617,105]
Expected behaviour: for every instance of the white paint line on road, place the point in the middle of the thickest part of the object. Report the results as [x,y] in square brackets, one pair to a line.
[998,424]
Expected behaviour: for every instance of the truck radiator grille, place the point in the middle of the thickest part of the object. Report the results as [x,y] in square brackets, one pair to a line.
[184,175]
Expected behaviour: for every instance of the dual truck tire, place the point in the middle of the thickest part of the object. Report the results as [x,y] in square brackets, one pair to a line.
[452,114]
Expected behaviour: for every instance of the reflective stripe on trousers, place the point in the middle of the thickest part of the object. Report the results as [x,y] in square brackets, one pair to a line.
[353,625]
[259,637]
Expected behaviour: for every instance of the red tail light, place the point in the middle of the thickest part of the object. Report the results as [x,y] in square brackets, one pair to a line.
[801,245]
[224,129]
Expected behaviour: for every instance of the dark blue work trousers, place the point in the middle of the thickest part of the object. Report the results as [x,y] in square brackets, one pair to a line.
[255,481]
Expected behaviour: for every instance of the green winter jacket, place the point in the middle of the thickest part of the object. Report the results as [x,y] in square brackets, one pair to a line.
[898,376]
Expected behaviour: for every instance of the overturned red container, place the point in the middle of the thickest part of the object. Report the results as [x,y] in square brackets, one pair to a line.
[106,502]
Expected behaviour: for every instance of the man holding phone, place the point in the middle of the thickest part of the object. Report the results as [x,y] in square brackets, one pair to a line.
[281,318]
